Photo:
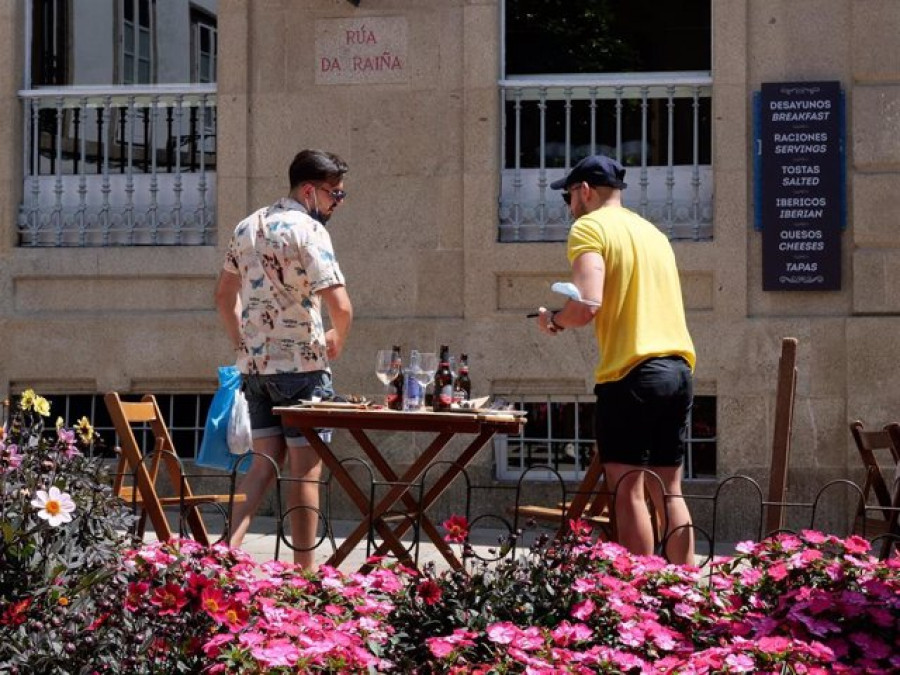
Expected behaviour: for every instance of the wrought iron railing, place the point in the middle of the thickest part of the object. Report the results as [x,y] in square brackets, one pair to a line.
[833,508]
[119,166]
[657,124]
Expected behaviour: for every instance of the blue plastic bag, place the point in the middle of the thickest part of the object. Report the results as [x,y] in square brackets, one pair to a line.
[214,452]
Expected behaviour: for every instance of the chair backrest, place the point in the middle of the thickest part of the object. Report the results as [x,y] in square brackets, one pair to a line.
[871,444]
[126,414]
[781,439]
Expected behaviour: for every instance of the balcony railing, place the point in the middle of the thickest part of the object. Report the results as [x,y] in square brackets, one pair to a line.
[657,124]
[119,166]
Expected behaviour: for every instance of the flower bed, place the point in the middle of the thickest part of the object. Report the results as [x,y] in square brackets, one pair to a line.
[75,597]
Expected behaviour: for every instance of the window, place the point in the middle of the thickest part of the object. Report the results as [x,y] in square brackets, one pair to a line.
[700,454]
[50,43]
[204,46]
[122,151]
[137,38]
[629,80]
[559,433]
[607,36]
[185,416]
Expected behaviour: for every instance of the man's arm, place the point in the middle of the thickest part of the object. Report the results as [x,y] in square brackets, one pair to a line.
[588,273]
[340,311]
[228,303]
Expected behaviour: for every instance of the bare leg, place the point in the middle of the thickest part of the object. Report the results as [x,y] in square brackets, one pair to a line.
[633,527]
[680,547]
[303,501]
[255,484]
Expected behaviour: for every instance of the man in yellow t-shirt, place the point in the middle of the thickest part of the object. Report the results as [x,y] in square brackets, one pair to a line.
[625,271]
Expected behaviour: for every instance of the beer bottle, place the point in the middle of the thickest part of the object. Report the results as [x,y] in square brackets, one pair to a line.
[462,388]
[443,383]
[395,388]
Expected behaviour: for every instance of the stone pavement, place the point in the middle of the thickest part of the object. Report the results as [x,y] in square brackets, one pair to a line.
[261,542]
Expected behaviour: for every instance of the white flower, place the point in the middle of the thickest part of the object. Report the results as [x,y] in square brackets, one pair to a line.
[54,506]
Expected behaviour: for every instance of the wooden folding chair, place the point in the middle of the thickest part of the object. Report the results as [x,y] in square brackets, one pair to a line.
[879,507]
[146,470]
[781,438]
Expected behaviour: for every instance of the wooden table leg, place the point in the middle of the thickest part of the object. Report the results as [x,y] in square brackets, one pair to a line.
[359,499]
[393,495]
[409,501]
[436,490]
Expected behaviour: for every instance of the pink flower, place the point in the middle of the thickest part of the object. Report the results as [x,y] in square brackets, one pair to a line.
[529,640]
[213,646]
[813,536]
[740,663]
[632,634]
[684,610]
[778,571]
[13,457]
[856,544]
[583,610]
[628,661]
[774,644]
[789,542]
[457,529]
[440,647]
[276,653]
[67,440]
[746,547]
[809,555]
[567,633]
[502,633]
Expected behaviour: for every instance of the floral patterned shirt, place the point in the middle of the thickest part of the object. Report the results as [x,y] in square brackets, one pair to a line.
[284,258]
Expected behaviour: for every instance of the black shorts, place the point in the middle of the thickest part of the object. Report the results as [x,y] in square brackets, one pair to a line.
[641,419]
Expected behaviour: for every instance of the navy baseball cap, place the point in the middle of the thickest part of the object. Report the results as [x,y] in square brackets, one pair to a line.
[594,170]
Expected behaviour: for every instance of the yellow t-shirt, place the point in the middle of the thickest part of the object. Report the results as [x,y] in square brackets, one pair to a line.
[642,315]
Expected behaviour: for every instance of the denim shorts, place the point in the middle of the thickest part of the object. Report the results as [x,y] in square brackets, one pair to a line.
[265,392]
[641,420]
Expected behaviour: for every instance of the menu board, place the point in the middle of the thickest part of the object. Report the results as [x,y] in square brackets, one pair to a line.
[801,185]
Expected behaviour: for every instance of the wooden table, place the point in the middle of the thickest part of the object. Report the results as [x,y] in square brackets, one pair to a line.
[359,421]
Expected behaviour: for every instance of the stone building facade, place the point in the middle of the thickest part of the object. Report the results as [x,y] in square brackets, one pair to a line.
[420,122]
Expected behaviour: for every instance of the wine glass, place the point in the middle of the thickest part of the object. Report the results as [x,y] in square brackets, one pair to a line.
[424,374]
[386,368]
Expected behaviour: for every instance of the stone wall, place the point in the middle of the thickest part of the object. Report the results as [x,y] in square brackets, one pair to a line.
[417,236]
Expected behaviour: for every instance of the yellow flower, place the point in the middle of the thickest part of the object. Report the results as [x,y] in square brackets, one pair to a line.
[84,430]
[42,406]
[59,423]
[27,400]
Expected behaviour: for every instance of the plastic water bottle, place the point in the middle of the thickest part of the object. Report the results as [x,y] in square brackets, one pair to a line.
[413,392]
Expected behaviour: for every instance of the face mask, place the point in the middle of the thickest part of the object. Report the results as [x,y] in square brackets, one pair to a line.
[315,213]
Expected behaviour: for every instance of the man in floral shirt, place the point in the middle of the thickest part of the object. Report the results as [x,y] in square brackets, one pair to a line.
[279,269]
